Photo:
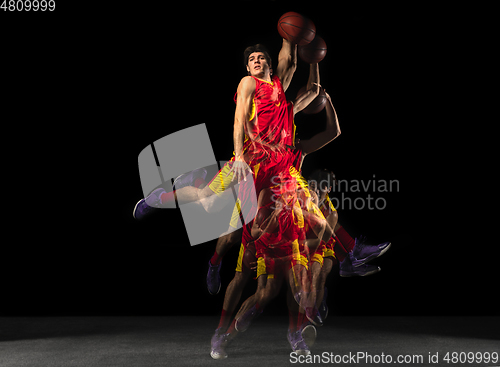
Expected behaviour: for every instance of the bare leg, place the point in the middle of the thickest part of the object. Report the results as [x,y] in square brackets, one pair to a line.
[225,242]
[325,270]
[251,301]
[315,282]
[205,197]
[234,290]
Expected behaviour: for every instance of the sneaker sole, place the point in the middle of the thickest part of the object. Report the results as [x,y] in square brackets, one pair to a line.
[309,335]
[349,275]
[217,355]
[240,329]
[357,263]
[135,208]
[218,290]
[302,352]
[326,314]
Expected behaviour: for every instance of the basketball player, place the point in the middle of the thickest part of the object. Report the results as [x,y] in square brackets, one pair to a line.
[271,135]
[259,138]
[265,291]
[297,326]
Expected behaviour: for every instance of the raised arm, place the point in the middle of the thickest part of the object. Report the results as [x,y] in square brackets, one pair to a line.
[287,63]
[332,130]
[312,90]
[246,90]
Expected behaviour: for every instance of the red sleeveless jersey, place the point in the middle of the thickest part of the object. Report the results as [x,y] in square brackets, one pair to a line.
[270,127]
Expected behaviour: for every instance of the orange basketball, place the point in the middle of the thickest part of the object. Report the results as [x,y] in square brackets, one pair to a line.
[314,51]
[317,103]
[296,28]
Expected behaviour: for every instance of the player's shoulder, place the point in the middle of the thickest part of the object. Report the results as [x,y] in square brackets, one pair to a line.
[247,80]
[247,83]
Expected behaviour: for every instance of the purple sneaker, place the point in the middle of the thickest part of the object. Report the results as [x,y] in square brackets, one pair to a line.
[244,321]
[147,205]
[297,342]
[290,337]
[362,252]
[189,178]
[213,278]
[347,269]
[218,344]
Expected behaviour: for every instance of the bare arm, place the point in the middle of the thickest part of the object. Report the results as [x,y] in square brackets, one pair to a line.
[312,90]
[246,90]
[287,63]
[332,130]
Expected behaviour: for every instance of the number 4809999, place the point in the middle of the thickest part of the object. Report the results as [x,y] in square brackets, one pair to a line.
[28,5]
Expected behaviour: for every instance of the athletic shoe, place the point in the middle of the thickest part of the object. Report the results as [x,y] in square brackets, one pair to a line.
[244,321]
[308,333]
[347,269]
[298,344]
[290,338]
[323,308]
[147,205]
[362,252]
[189,178]
[213,278]
[218,344]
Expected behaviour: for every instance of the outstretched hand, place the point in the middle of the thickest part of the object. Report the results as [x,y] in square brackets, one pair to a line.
[240,170]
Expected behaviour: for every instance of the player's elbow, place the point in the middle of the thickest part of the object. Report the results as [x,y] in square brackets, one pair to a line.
[333,132]
[338,132]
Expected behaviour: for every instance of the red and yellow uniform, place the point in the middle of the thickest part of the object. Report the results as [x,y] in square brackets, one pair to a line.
[268,144]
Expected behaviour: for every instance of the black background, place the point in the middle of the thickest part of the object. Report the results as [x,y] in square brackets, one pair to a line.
[90,88]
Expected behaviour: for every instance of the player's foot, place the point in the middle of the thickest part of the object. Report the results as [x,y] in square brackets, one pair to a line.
[189,178]
[347,269]
[213,278]
[297,342]
[323,308]
[246,319]
[362,252]
[147,205]
[219,343]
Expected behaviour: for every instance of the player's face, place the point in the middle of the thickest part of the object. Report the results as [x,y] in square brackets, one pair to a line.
[257,65]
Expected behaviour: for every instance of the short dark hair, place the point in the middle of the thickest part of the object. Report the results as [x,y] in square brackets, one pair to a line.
[256,48]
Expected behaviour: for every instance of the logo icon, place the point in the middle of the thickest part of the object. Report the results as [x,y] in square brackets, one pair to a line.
[182,152]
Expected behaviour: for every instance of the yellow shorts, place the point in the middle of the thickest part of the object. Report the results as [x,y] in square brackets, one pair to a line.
[239,263]
[222,180]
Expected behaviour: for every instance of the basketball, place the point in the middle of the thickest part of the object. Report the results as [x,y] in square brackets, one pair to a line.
[296,28]
[317,103]
[313,52]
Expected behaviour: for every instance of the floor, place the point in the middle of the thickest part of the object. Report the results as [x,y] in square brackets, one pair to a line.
[185,341]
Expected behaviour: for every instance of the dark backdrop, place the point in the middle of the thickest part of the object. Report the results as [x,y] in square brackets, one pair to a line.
[111,81]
